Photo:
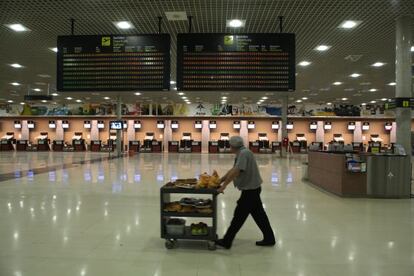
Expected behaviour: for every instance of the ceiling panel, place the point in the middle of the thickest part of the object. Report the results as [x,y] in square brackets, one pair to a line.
[314,22]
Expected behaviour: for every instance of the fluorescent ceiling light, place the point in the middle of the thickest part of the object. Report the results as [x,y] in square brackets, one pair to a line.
[304,63]
[69,98]
[16,65]
[175,88]
[22,103]
[224,98]
[412,48]
[363,104]
[184,98]
[235,23]
[373,90]
[17,27]
[299,101]
[344,99]
[304,98]
[78,101]
[107,98]
[9,101]
[349,24]
[265,98]
[322,48]
[384,99]
[188,102]
[172,82]
[328,103]
[44,101]
[378,64]
[180,93]
[123,25]
[137,93]
[355,75]
[392,84]
[54,49]
[55,94]
[15,83]
[373,102]
[337,83]
[37,89]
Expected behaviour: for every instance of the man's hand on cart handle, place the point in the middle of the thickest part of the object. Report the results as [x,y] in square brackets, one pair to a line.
[227,178]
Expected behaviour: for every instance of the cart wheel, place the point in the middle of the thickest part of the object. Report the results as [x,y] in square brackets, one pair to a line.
[170,244]
[212,245]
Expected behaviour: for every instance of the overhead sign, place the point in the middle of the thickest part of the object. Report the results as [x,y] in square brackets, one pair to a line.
[400,103]
[236,62]
[113,62]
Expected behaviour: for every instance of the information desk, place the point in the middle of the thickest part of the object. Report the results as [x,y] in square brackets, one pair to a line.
[328,171]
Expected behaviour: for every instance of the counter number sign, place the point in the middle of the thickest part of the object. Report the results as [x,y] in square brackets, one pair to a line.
[228,40]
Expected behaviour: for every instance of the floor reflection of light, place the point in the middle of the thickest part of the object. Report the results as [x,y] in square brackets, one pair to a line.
[52,176]
[390,244]
[123,177]
[289,178]
[106,213]
[275,180]
[116,187]
[351,256]
[21,204]
[30,175]
[160,177]
[54,197]
[137,178]
[83,272]
[17,174]
[17,273]
[16,235]
[137,220]
[87,176]
[54,218]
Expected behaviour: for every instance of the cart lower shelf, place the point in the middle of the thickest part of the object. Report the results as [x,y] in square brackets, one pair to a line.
[171,240]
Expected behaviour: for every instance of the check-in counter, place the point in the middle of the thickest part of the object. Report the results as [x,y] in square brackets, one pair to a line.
[383,175]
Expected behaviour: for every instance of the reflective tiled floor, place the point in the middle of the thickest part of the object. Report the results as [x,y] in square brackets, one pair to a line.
[102,218]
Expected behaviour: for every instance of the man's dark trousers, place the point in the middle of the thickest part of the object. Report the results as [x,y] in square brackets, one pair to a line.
[249,203]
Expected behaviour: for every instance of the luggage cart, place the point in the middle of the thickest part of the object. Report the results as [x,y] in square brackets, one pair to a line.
[171,240]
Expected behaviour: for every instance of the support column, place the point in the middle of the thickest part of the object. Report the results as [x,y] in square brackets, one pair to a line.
[60,133]
[393,133]
[320,133]
[119,131]
[168,134]
[358,132]
[205,136]
[244,133]
[403,73]
[25,131]
[94,130]
[284,122]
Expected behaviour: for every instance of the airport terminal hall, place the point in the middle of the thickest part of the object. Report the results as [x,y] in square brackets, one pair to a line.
[206,138]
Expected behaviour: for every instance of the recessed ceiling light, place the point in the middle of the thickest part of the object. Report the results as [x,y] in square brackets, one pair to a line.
[16,65]
[378,64]
[188,102]
[349,24]
[259,103]
[15,83]
[328,103]
[17,27]
[337,83]
[235,23]
[384,99]
[355,75]
[22,103]
[172,82]
[304,98]
[373,90]
[363,104]
[55,94]
[54,49]
[184,98]
[78,101]
[123,25]
[265,98]
[344,99]
[9,101]
[299,101]
[137,93]
[412,48]
[44,75]
[322,48]
[304,63]
[44,101]
[180,93]
[392,84]
[69,98]
[37,89]
[373,102]
[175,88]
[224,98]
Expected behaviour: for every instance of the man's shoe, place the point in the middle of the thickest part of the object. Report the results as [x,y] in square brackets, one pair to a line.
[265,243]
[222,244]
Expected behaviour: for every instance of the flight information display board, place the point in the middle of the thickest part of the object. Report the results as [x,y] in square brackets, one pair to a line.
[236,62]
[113,62]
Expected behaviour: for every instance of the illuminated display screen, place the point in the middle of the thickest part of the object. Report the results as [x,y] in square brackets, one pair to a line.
[113,62]
[236,62]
